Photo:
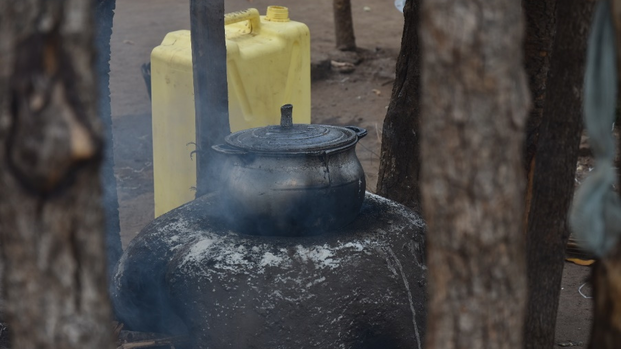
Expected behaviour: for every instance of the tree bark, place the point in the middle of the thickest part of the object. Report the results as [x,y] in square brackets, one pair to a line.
[51,145]
[551,185]
[343,25]
[540,31]
[606,279]
[211,97]
[474,108]
[606,275]
[399,168]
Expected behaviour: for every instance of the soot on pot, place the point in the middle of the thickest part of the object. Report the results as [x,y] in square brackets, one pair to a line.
[292,179]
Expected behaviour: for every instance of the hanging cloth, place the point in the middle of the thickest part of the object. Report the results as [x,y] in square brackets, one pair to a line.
[595,216]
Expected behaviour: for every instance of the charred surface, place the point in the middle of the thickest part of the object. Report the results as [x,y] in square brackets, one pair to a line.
[210,88]
[551,185]
[399,169]
[359,287]
[540,31]
[104,13]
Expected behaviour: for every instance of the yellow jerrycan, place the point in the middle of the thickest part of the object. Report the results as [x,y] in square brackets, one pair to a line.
[268,65]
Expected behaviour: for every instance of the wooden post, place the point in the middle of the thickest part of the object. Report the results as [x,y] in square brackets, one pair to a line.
[210,87]
[104,13]
[343,25]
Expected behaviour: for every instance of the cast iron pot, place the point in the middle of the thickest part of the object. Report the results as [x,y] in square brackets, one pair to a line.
[292,180]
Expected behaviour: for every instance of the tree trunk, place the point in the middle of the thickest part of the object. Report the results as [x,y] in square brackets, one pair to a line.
[606,277]
[474,108]
[343,25]
[51,146]
[540,31]
[551,186]
[399,168]
[104,14]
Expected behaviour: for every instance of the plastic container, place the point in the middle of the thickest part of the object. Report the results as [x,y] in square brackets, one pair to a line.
[268,65]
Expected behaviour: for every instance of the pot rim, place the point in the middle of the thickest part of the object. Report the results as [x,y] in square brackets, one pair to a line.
[229,149]
[289,138]
[298,138]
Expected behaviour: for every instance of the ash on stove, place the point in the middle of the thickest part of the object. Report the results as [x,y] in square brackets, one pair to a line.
[362,286]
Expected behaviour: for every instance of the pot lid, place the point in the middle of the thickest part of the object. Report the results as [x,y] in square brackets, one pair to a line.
[292,138]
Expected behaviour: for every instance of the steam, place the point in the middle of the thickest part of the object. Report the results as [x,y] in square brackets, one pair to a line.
[188,267]
[104,12]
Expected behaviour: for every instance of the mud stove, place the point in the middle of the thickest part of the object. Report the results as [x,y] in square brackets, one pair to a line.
[360,287]
[350,277]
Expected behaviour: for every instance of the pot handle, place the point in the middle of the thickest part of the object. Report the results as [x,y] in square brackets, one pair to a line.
[228,150]
[360,132]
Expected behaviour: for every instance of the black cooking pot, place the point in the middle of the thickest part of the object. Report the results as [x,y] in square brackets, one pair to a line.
[292,180]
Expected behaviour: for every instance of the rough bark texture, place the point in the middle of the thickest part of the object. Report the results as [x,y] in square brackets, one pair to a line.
[474,107]
[343,25]
[606,328]
[540,31]
[51,220]
[606,279]
[104,14]
[211,97]
[399,168]
[551,185]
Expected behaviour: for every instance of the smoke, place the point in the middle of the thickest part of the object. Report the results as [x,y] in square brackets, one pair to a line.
[300,195]
[104,13]
[141,298]
[238,290]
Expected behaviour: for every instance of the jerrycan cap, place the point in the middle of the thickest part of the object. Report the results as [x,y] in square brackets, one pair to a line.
[277,14]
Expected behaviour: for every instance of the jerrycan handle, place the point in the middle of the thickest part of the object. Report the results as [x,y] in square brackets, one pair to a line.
[251,15]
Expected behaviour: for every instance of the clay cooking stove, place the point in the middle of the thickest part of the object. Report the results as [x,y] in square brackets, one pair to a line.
[206,271]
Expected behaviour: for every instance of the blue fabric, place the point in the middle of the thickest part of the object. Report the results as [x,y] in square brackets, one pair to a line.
[596,213]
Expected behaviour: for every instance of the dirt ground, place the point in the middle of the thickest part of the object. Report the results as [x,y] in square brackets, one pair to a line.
[359,98]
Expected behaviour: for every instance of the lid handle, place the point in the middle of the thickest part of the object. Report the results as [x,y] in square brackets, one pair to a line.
[286,116]
[360,132]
